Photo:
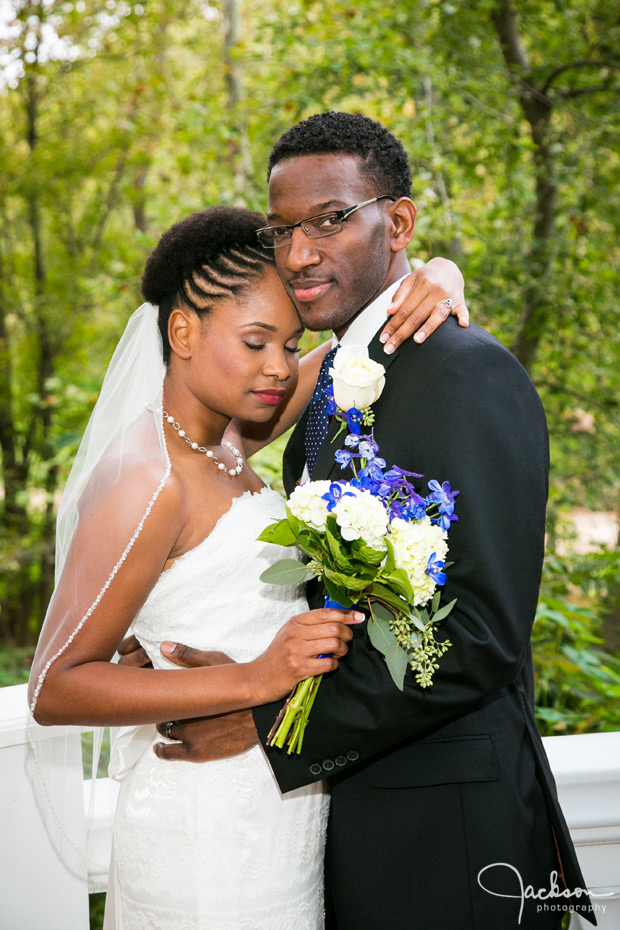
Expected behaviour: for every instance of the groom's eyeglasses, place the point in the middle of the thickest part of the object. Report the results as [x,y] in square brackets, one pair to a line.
[315,227]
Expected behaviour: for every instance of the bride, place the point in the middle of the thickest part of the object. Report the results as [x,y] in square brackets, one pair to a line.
[157,534]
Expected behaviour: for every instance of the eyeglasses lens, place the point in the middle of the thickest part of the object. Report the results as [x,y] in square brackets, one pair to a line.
[315,228]
[320,226]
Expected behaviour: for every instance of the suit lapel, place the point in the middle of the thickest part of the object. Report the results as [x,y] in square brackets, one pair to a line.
[375,350]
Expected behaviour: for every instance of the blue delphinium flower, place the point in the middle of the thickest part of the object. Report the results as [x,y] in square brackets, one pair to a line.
[354,420]
[442,495]
[444,520]
[416,507]
[367,449]
[372,470]
[435,569]
[335,493]
[401,471]
[352,441]
[343,458]
[398,509]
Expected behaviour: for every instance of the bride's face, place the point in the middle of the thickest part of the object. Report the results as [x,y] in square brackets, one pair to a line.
[245,357]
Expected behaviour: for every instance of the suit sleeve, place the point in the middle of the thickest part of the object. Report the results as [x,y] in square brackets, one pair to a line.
[471,417]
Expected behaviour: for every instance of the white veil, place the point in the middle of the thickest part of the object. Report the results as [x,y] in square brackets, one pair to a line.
[120,469]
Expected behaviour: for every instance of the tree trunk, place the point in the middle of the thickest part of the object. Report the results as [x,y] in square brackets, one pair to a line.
[452,245]
[538,110]
[239,146]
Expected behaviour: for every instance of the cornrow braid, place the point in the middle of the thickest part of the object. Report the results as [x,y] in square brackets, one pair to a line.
[211,255]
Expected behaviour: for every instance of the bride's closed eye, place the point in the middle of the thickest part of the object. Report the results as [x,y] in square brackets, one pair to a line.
[294,350]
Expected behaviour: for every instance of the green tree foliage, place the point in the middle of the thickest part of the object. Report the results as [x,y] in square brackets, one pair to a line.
[119,118]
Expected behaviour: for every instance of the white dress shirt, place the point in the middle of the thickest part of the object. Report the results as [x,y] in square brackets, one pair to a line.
[364,326]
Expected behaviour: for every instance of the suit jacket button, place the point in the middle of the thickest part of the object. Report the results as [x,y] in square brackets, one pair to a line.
[328,765]
[340,760]
[352,755]
[315,768]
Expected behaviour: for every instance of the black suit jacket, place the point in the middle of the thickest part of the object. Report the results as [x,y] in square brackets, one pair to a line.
[429,787]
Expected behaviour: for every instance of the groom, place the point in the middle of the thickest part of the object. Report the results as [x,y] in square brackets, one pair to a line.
[444,808]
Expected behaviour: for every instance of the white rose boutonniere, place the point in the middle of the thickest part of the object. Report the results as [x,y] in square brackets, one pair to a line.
[358,381]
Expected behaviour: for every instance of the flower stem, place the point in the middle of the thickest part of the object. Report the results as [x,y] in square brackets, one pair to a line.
[293,715]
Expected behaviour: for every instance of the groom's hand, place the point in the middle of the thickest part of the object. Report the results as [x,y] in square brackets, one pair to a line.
[203,739]
[132,655]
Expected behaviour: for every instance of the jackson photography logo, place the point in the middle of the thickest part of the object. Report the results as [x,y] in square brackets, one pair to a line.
[543,895]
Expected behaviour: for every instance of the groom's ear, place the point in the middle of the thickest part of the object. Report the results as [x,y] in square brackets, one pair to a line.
[180,326]
[403,213]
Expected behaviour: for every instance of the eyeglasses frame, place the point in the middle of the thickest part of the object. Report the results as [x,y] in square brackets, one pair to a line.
[342,215]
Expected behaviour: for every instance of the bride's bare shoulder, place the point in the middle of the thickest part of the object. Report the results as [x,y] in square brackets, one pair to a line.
[128,480]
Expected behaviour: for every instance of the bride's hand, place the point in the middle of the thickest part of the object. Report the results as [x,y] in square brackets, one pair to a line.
[418,306]
[293,655]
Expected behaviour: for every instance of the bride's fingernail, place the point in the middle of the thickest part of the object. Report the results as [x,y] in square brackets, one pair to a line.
[384,337]
[168,648]
[419,337]
[359,616]
[389,349]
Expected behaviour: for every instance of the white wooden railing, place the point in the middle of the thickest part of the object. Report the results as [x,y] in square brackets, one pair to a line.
[37,892]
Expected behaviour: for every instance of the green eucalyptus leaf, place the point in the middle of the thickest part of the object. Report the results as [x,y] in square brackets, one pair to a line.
[443,613]
[382,612]
[419,619]
[287,571]
[384,640]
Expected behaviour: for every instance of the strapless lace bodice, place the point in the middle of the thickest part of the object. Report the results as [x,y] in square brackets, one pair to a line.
[215,846]
[212,596]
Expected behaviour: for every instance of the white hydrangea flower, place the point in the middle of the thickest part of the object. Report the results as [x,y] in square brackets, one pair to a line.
[362,517]
[413,545]
[307,505]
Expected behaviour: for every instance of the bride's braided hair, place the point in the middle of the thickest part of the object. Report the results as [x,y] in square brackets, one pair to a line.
[210,255]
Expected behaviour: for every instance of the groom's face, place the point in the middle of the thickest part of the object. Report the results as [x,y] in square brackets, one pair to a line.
[330,279]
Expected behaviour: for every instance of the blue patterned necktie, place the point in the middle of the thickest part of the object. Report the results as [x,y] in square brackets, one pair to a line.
[318,417]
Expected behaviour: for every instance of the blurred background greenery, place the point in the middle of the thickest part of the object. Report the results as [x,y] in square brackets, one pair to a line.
[120,118]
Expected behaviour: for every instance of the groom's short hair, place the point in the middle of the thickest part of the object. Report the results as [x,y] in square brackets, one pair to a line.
[383,157]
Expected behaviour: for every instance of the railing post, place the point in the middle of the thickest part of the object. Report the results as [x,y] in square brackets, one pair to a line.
[587,772]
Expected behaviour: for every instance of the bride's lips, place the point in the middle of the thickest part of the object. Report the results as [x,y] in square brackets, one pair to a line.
[305,292]
[272,398]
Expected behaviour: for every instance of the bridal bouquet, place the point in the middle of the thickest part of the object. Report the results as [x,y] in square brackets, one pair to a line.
[372,539]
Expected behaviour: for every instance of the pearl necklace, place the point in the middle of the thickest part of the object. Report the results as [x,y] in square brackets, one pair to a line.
[232,472]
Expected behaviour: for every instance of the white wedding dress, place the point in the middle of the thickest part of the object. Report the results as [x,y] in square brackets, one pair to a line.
[215,846]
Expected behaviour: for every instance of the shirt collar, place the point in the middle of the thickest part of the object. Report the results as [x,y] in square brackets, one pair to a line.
[364,326]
